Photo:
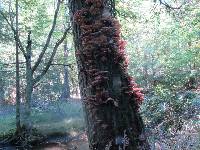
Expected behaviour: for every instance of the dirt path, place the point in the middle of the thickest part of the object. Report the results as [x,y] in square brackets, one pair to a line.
[74,145]
[78,141]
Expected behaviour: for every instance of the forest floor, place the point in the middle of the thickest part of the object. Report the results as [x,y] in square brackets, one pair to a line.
[60,121]
[63,125]
[79,142]
[77,145]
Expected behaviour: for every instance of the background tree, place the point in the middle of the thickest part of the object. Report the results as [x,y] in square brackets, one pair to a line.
[16,36]
[2,87]
[31,80]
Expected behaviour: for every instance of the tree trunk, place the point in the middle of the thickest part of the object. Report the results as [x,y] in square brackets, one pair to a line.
[110,96]
[66,88]
[29,86]
[145,70]
[2,90]
[28,95]
[18,124]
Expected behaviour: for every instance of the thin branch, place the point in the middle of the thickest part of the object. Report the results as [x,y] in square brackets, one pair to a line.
[52,64]
[16,36]
[169,6]
[10,16]
[37,79]
[12,63]
[48,38]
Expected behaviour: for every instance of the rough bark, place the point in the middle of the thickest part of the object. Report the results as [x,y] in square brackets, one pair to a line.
[111,109]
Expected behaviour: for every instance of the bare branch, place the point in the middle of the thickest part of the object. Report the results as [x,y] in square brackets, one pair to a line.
[169,6]
[16,36]
[12,63]
[48,38]
[10,11]
[37,79]
[52,64]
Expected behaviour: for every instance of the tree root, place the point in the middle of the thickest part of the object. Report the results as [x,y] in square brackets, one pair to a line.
[24,139]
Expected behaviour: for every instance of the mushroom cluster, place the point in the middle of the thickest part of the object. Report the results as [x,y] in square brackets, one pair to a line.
[100,41]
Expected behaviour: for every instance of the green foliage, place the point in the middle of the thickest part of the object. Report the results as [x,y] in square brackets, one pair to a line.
[163,49]
[169,108]
[37,16]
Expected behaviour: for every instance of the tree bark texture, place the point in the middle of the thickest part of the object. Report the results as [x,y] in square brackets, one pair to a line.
[66,88]
[2,90]
[110,96]
[18,123]
[29,85]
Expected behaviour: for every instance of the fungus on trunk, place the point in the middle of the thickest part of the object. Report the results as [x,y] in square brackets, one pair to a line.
[110,96]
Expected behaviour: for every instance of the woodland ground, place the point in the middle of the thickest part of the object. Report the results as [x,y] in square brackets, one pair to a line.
[63,124]
[60,121]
